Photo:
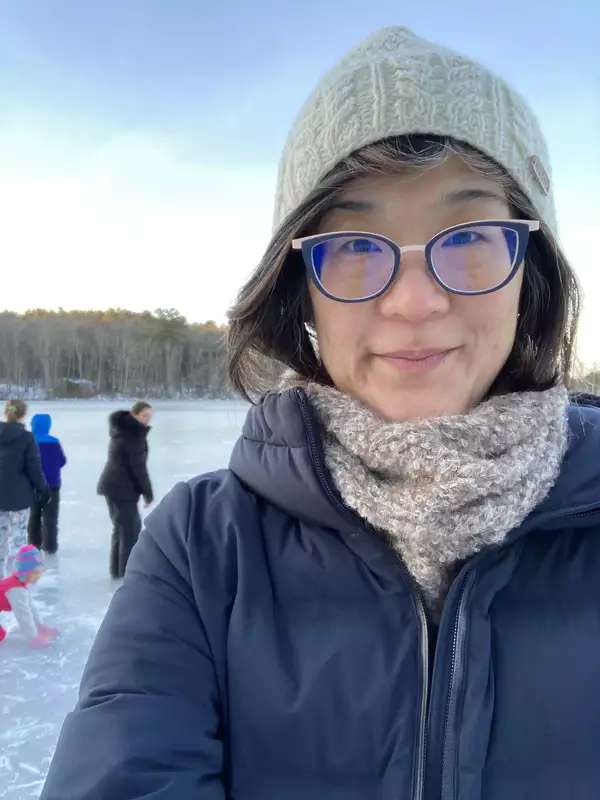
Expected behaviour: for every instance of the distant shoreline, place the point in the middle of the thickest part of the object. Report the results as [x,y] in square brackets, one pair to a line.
[126,401]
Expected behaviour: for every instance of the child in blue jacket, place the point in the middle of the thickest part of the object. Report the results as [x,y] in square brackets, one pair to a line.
[43,519]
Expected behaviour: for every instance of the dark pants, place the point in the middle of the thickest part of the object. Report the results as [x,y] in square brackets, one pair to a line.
[42,529]
[126,529]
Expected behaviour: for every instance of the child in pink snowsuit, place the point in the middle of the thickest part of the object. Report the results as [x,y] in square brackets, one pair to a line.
[15,597]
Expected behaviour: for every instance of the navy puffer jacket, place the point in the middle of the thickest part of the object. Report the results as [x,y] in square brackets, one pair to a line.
[20,468]
[266,646]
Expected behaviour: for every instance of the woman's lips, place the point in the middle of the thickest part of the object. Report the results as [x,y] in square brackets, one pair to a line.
[416,361]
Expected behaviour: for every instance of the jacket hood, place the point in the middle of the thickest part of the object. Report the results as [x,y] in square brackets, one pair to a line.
[11,431]
[40,425]
[280,457]
[123,423]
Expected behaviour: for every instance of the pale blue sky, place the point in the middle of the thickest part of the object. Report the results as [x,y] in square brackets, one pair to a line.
[139,139]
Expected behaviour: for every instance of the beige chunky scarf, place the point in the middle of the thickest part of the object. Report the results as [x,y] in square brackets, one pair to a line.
[442,489]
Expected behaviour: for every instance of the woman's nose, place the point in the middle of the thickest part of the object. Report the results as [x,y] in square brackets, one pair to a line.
[414,294]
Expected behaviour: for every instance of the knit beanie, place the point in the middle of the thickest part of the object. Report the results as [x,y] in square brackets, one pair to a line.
[396,83]
[28,559]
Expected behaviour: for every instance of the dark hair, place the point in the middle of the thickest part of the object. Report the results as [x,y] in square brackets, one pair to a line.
[14,410]
[139,406]
[268,323]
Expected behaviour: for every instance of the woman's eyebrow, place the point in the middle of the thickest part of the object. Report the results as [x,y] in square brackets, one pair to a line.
[474,193]
[351,205]
[449,198]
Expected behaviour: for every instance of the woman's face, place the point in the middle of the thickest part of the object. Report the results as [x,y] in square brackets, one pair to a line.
[374,350]
[145,416]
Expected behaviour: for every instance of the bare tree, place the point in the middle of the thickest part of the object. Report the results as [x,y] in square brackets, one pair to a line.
[111,352]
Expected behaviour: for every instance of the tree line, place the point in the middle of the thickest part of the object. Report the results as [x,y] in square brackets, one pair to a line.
[123,353]
[110,353]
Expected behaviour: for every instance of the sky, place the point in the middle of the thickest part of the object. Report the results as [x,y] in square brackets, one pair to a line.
[139,140]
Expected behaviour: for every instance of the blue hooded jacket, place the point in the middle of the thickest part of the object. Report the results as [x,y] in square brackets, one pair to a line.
[266,645]
[53,457]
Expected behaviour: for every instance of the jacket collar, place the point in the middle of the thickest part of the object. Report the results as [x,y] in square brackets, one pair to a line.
[280,457]
[577,489]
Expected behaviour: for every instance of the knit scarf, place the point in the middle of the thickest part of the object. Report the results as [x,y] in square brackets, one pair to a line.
[442,489]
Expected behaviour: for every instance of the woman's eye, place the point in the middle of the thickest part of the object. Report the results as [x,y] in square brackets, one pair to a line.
[459,238]
[360,246]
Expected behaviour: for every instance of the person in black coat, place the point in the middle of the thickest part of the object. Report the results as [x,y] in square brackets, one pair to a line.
[125,478]
[21,481]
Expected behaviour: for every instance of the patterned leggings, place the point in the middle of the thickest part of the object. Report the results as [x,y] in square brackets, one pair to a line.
[13,534]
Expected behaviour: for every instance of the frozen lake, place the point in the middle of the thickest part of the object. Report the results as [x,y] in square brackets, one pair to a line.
[38,688]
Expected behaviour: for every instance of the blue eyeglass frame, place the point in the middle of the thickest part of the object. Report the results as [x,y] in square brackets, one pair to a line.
[522,228]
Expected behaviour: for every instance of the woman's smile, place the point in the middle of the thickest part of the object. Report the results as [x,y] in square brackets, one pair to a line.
[417,362]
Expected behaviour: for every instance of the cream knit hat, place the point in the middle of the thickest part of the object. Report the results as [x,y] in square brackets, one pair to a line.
[396,83]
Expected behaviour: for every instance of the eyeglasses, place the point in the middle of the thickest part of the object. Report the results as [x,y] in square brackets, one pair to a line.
[472,258]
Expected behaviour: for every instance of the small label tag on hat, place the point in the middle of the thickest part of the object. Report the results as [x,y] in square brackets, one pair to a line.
[538,171]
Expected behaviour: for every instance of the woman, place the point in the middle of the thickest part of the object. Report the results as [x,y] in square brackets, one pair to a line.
[125,478]
[21,477]
[392,591]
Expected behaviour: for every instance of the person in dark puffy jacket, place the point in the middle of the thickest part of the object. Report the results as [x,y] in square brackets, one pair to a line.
[125,478]
[43,519]
[392,591]
[21,478]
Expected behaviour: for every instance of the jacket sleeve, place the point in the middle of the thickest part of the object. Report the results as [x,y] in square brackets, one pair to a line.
[62,456]
[148,719]
[33,466]
[136,460]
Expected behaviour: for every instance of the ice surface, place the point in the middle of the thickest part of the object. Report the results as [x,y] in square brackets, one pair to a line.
[38,688]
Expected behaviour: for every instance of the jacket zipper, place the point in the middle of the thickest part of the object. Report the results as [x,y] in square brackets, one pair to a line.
[422,733]
[419,780]
[448,743]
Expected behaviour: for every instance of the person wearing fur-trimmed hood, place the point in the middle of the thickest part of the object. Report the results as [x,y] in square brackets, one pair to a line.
[125,478]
